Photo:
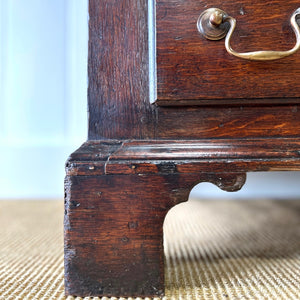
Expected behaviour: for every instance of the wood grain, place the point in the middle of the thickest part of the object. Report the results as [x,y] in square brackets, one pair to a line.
[228,122]
[119,105]
[141,159]
[189,67]
[118,70]
[114,230]
[187,156]
[119,193]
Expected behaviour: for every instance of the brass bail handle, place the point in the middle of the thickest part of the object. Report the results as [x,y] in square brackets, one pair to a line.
[215,24]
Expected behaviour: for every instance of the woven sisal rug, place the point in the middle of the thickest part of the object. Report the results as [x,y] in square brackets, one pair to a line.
[214,250]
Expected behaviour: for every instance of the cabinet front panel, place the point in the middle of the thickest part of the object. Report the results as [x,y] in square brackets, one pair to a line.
[191,69]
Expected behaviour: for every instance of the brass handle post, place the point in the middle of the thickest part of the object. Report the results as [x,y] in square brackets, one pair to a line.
[214,24]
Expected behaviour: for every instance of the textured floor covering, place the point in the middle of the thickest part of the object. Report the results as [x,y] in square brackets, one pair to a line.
[214,250]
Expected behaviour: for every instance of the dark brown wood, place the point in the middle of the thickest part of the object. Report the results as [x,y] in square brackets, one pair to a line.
[141,159]
[113,232]
[119,105]
[113,222]
[118,70]
[118,193]
[228,122]
[189,67]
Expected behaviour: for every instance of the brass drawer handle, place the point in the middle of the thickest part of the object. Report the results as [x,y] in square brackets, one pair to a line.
[215,24]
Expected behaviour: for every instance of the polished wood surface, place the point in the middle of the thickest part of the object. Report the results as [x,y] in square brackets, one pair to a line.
[118,70]
[118,94]
[227,122]
[176,156]
[142,159]
[191,67]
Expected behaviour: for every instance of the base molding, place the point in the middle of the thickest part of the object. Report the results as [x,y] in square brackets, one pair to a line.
[117,194]
[98,157]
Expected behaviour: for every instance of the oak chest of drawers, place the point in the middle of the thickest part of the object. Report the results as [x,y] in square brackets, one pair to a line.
[171,105]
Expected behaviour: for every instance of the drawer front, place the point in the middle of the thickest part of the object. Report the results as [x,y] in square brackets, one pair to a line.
[192,70]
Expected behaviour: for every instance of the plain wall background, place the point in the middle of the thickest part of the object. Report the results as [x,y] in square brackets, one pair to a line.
[43,81]
[43,105]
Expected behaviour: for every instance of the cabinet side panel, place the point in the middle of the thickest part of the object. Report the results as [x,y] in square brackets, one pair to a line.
[118,93]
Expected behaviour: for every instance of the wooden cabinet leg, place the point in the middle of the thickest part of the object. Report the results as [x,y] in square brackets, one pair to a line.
[119,192]
[114,235]
[114,231]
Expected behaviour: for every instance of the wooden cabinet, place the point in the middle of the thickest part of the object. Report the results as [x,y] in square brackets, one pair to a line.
[215,118]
